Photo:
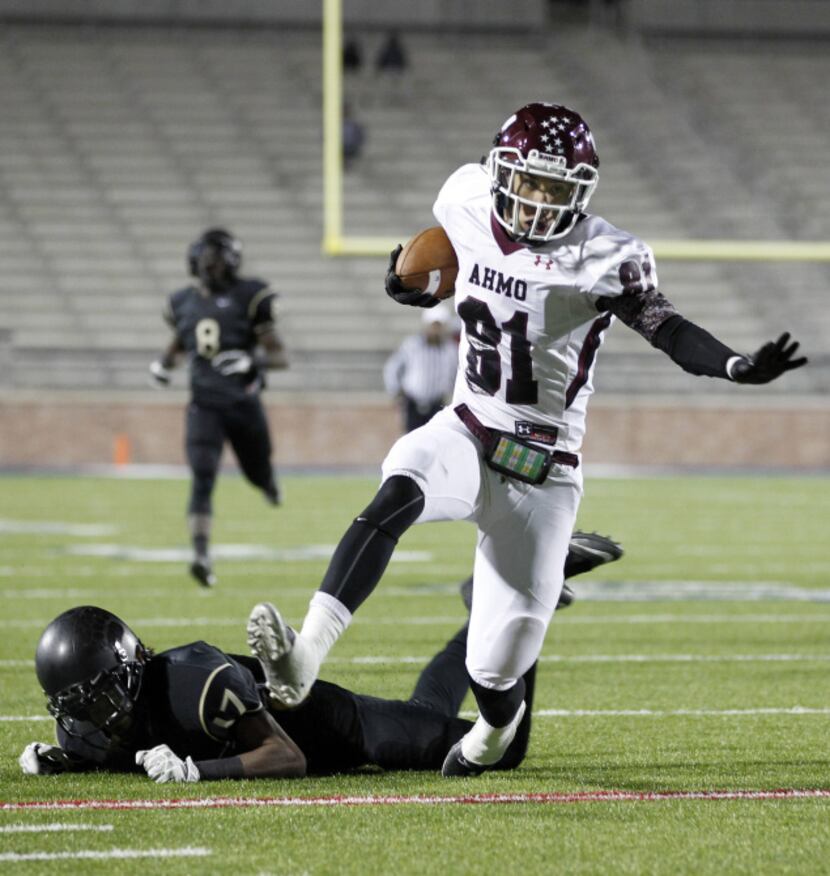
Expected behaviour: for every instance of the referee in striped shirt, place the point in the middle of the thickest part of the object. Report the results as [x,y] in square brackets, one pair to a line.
[421,372]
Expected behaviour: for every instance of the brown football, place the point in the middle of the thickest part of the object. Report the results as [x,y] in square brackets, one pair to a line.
[428,262]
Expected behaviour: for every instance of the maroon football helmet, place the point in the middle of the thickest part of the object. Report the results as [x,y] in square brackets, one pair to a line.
[543,171]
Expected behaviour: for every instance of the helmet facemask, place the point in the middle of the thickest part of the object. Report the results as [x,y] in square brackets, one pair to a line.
[104,710]
[528,203]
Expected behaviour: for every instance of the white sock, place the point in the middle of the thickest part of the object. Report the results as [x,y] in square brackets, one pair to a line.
[485,744]
[325,622]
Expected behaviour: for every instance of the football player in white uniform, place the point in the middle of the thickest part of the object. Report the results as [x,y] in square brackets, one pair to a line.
[539,283]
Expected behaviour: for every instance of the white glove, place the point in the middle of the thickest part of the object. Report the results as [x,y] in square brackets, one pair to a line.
[162,765]
[42,759]
[232,362]
[159,375]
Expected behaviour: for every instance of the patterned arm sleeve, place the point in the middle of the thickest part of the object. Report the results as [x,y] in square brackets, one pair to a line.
[639,305]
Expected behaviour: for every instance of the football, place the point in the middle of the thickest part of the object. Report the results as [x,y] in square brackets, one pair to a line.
[428,262]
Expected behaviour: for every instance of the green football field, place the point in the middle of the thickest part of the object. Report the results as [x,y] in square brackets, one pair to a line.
[682,714]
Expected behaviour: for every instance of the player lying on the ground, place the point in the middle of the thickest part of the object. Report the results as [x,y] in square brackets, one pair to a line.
[194,713]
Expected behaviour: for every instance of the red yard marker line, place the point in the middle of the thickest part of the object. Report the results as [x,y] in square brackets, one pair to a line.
[560,797]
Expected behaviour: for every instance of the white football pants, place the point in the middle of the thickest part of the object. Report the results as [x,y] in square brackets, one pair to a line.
[523,537]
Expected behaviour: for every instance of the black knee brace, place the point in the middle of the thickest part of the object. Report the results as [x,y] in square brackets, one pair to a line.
[397,505]
[499,707]
[365,550]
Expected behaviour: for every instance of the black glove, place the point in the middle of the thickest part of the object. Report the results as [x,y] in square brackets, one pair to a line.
[395,289]
[769,362]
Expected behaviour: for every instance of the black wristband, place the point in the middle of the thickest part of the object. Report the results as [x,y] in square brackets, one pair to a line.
[221,768]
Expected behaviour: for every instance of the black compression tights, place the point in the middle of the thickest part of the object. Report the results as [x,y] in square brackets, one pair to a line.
[365,550]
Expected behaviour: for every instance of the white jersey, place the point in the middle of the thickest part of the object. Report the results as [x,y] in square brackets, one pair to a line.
[531,328]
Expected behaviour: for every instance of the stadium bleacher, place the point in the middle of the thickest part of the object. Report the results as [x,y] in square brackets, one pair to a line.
[120,143]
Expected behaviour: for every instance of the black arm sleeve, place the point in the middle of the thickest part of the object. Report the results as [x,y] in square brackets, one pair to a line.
[692,347]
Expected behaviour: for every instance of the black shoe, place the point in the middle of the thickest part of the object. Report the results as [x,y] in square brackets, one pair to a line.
[455,764]
[202,571]
[588,550]
[272,494]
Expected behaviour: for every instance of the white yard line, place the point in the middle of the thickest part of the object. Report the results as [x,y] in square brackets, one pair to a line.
[175,622]
[25,719]
[52,828]
[389,660]
[667,713]
[107,854]
[610,658]
[587,713]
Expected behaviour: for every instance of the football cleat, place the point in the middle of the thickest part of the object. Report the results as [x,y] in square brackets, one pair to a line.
[588,550]
[280,652]
[272,494]
[455,764]
[202,571]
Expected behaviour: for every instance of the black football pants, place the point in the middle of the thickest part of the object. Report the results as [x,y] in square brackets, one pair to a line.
[339,730]
[245,427]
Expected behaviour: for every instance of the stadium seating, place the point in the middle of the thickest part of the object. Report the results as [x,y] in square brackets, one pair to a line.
[119,144]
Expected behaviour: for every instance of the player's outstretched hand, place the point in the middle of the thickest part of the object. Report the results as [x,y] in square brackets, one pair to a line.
[159,375]
[770,361]
[395,289]
[162,765]
[43,759]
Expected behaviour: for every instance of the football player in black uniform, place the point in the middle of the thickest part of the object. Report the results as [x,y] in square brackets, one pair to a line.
[226,325]
[195,713]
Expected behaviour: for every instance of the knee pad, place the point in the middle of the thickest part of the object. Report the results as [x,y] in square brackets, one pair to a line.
[499,707]
[397,505]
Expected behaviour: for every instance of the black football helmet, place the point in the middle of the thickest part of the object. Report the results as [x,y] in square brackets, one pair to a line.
[90,665]
[227,247]
[543,171]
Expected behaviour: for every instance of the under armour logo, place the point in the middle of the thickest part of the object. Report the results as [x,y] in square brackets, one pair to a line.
[548,263]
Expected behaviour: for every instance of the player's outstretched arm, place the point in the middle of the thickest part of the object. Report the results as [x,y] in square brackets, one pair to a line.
[268,751]
[770,361]
[698,352]
[395,288]
[651,314]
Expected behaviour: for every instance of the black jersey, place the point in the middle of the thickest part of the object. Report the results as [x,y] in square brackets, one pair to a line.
[208,324]
[191,698]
